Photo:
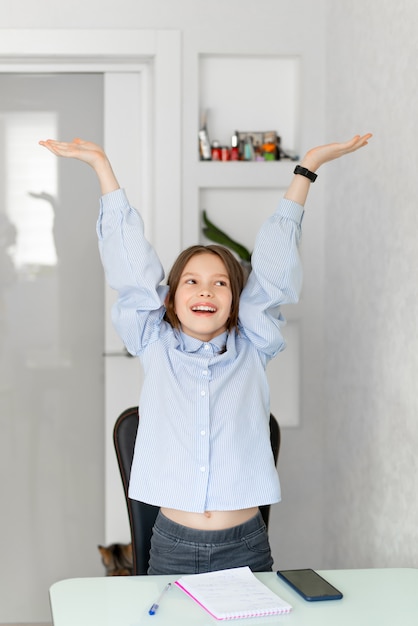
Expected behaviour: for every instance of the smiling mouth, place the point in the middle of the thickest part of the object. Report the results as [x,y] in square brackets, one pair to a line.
[203,309]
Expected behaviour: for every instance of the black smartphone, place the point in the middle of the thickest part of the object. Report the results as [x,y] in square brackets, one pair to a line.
[309,584]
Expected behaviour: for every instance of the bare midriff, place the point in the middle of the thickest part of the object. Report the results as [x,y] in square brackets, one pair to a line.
[210,520]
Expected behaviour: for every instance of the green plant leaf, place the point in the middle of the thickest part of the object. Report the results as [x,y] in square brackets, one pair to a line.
[217,235]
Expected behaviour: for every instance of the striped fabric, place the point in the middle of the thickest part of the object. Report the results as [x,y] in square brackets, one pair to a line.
[203,441]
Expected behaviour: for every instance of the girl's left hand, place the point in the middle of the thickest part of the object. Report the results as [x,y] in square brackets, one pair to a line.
[316,157]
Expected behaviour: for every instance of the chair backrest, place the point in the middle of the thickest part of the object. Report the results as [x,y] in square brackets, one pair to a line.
[141,515]
[275,446]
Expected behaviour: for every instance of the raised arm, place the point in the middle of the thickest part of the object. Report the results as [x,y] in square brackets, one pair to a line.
[130,263]
[299,187]
[89,153]
[276,276]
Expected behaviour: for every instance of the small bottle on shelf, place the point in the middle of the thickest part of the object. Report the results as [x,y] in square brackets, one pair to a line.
[249,149]
[234,147]
[216,151]
[204,143]
[225,154]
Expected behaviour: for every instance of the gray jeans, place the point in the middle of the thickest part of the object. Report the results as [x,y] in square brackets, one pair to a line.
[177,549]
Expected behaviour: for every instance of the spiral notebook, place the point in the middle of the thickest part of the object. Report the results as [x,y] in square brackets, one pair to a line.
[232,594]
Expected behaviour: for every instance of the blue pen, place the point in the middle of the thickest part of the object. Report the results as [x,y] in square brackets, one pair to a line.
[156,604]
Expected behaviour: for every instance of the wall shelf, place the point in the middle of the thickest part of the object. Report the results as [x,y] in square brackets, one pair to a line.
[232,174]
[250,93]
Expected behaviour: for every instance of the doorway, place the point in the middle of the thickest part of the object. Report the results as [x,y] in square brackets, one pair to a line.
[51,328]
[140,73]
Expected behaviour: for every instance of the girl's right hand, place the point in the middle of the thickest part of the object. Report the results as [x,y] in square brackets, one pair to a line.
[86,151]
[89,153]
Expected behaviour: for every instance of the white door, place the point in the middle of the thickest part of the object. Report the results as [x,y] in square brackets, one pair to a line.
[51,345]
[59,487]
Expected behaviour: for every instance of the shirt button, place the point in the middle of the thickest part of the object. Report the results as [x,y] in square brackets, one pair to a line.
[203,433]
[205,372]
[203,468]
[207,346]
[203,392]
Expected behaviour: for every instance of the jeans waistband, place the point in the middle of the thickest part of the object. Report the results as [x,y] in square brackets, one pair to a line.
[210,536]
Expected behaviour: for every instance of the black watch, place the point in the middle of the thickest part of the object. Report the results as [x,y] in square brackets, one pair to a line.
[303,171]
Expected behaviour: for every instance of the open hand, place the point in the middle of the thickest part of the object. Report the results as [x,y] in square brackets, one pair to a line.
[89,153]
[86,151]
[316,157]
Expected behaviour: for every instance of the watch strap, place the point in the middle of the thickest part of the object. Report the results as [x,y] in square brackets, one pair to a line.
[303,171]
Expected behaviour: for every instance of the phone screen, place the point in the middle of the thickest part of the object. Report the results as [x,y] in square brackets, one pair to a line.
[309,584]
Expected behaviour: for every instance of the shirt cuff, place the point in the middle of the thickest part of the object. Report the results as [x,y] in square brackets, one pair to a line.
[114,200]
[291,210]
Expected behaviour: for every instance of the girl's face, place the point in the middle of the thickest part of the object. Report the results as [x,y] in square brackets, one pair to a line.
[203,298]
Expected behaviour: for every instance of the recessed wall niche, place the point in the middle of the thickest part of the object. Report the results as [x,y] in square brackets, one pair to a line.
[250,93]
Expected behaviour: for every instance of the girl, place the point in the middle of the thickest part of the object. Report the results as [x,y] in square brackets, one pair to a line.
[202,452]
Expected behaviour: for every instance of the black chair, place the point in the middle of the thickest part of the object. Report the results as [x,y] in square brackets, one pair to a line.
[141,515]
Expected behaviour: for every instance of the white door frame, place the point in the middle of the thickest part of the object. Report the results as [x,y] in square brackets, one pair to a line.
[141,74]
[61,50]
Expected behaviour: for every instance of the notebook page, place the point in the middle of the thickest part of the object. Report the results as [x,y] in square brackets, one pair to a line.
[232,593]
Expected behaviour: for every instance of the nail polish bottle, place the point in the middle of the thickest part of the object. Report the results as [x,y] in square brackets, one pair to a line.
[225,153]
[216,151]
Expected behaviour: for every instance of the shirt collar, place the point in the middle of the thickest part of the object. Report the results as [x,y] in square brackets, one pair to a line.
[191,344]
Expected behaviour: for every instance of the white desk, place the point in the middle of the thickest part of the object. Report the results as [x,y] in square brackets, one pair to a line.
[372,597]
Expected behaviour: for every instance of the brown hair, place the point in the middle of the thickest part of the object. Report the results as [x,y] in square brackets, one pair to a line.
[233,268]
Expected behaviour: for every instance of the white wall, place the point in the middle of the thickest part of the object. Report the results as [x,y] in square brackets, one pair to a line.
[368,423]
[371,428]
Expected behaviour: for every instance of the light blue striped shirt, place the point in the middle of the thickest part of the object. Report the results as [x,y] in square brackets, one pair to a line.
[203,441]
